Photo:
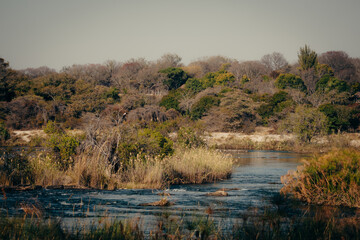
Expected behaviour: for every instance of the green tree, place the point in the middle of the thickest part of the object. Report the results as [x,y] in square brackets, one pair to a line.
[203,105]
[328,83]
[170,101]
[277,103]
[339,117]
[306,123]
[307,58]
[175,77]
[288,80]
[63,146]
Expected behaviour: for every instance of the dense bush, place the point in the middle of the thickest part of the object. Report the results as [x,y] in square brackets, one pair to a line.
[277,103]
[328,83]
[306,123]
[203,105]
[288,80]
[145,142]
[62,145]
[340,118]
[15,168]
[189,137]
[175,77]
[331,179]
[170,101]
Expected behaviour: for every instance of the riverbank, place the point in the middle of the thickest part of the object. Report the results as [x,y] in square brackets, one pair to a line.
[263,138]
[267,139]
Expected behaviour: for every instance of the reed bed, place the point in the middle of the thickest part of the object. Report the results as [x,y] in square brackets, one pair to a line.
[199,165]
[185,166]
[271,225]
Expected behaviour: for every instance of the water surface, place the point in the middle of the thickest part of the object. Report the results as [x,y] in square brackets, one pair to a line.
[255,180]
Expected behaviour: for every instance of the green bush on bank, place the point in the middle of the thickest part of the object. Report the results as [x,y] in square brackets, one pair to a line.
[331,179]
[63,146]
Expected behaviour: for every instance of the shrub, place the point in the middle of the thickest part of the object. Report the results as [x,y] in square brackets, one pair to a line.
[340,118]
[194,85]
[4,132]
[331,179]
[288,80]
[15,168]
[146,142]
[203,105]
[328,83]
[188,137]
[170,101]
[175,77]
[277,103]
[306,123]
[63,146]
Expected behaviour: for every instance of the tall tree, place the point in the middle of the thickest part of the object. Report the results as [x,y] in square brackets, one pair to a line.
[274,61]
[307,58]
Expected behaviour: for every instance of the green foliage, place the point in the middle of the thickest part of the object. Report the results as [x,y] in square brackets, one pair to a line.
[288,80]
[331,179]
[175,77]
[170,101]
[307,58]
[54,87]
[219,78]
[155,143]
[194,85]
[306,123]
[339,117]
[4,132]
[328,83]
[53,128]
[188,137]
[146,142]
[113,93]
[203,105]
[244,79]
[63,146]
[277,103]
[15,167]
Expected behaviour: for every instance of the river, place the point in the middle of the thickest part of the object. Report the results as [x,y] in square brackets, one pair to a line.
[254,182]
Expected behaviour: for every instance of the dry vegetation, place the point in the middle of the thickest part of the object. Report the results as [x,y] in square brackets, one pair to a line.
[330,179]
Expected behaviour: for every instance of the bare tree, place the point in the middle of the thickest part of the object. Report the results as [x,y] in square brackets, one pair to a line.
[169,60]
[252,69]
[274,61]
[340,62]
[37,72]
[206,65]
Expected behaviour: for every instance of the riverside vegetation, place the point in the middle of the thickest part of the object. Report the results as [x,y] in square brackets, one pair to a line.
[140,124]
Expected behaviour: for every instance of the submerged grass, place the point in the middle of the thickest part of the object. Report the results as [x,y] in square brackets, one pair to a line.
[330,179]
[271,225]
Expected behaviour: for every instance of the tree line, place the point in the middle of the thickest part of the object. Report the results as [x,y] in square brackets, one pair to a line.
[319,93]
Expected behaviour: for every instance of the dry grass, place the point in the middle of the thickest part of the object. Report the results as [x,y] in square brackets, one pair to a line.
[140,173]
[331,179]
[46,173]
[198,165]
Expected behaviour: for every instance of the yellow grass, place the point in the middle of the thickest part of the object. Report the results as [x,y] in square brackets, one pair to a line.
[199,165]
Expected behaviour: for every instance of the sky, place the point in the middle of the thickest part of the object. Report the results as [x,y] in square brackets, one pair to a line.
[52,33]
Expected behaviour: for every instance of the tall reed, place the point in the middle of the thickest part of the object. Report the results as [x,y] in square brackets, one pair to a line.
[198,165]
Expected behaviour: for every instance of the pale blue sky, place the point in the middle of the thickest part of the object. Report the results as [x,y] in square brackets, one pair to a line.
[60,33]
